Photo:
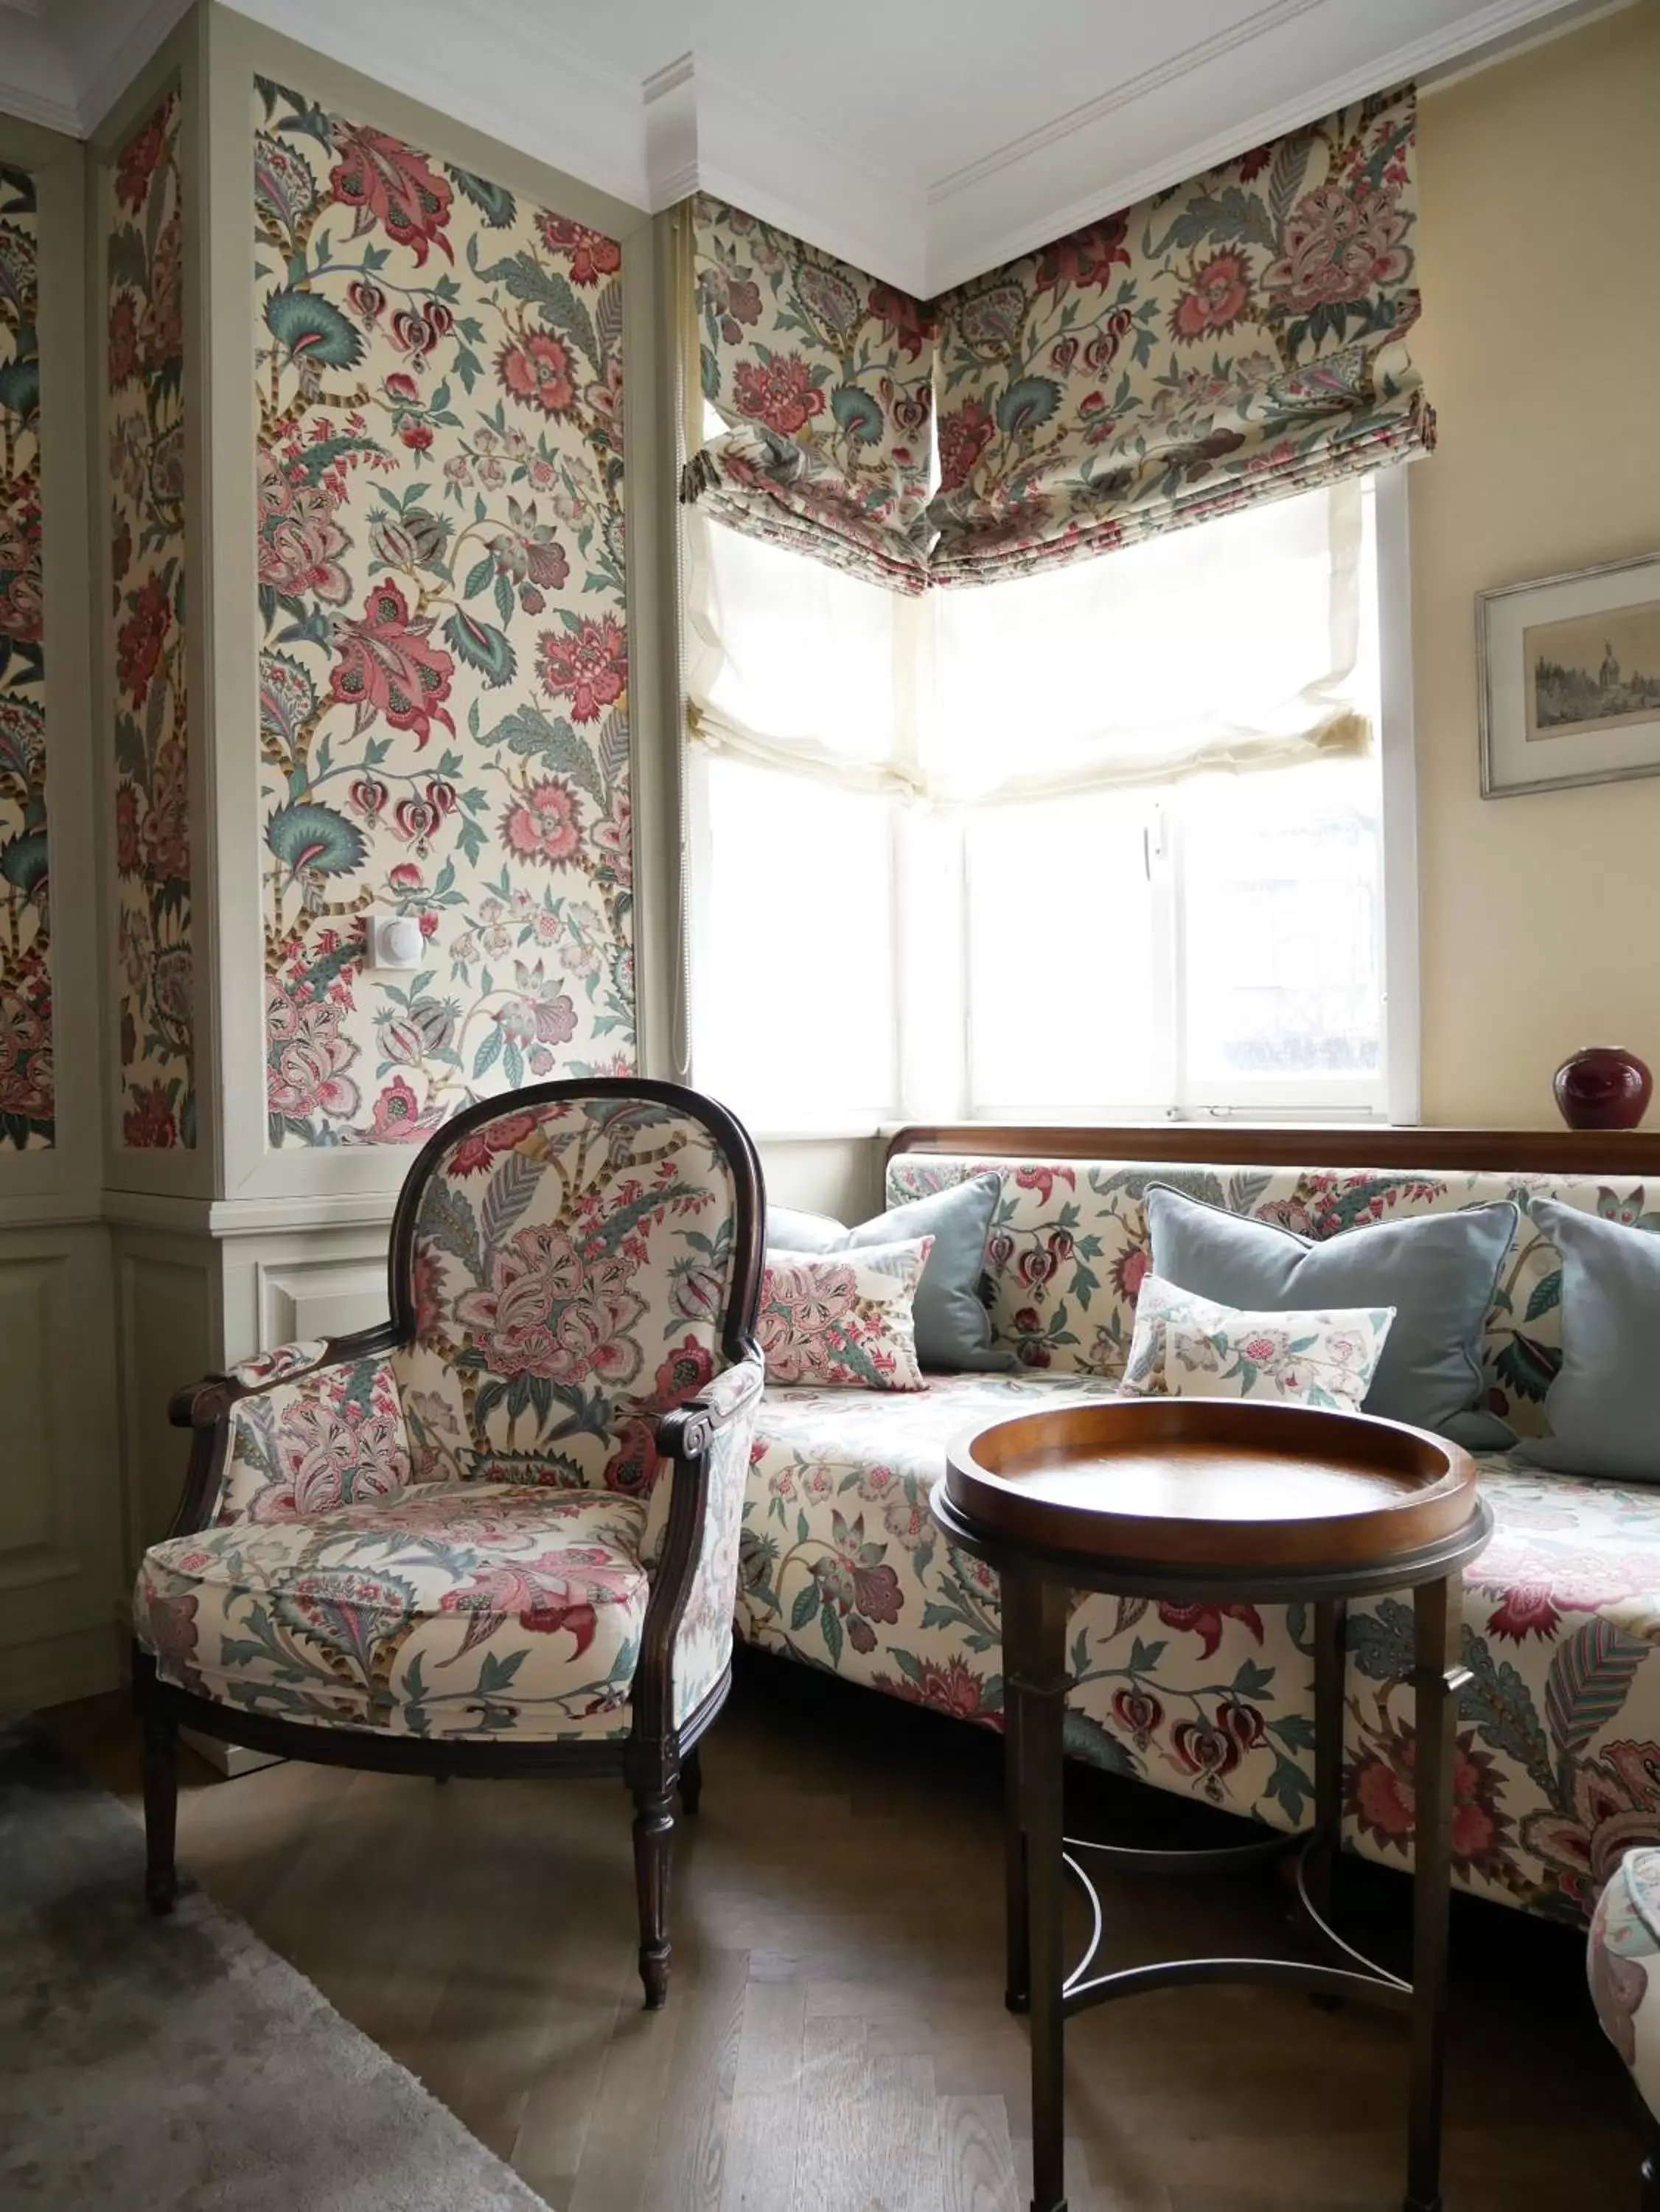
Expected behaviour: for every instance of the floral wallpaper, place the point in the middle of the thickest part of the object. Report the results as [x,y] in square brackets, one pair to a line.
[26,1064]
[823,378]
[145,359]
[1236,335]
[443,676]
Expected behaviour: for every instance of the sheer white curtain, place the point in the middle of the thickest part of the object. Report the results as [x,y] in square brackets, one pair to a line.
[1233,644]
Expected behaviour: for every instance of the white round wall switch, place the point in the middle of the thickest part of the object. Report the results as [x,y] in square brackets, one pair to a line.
[395,941]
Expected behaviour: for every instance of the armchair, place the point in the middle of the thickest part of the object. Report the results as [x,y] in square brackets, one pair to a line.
[499,1534]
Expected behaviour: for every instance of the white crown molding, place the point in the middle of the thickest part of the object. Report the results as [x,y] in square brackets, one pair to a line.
[120,60]
[1090,113]
[499,68]
[30,105]
[503,68]
[709,131]
[1076,170]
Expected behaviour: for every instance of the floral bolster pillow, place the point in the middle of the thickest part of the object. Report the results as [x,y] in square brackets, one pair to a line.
[1185,1346]
[844,1320]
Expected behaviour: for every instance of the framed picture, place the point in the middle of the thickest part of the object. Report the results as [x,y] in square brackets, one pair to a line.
[1568,676]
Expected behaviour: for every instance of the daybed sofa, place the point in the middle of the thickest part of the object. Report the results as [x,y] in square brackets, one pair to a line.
[1558,1768]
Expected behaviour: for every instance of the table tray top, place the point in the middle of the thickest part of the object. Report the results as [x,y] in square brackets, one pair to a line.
[1190,1481]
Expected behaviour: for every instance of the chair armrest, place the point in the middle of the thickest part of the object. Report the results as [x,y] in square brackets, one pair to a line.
[687,1641]
[298,1429]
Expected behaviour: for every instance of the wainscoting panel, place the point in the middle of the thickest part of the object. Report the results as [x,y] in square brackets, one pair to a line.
[60,1486]
[166,1299]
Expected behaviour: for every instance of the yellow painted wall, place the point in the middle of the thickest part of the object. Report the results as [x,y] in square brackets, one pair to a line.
[1539,237]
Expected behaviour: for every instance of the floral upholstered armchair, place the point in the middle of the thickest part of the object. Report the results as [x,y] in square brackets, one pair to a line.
[498,1536]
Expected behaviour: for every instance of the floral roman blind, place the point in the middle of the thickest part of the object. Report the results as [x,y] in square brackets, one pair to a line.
[1236,338]
[821,380]
[1232,339]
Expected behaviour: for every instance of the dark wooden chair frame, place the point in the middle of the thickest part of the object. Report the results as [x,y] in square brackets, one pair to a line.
[658,1757]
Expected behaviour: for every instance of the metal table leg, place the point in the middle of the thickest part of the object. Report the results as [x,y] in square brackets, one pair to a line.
[1017,1973]
[1437,1680]
[1034,1663]
[1330,1616]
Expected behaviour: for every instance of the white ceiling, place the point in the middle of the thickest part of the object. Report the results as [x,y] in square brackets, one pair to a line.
[925,139]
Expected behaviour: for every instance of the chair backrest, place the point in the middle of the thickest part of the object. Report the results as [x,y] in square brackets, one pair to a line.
[568,1262]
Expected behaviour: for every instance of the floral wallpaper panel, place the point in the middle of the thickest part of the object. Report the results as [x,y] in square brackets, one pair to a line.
[145,362]
[26,1061]
[444,679]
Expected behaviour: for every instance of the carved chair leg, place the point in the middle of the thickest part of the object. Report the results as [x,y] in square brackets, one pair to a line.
[1650,2199]
[691,1782]
[161,1810]
[654,1829]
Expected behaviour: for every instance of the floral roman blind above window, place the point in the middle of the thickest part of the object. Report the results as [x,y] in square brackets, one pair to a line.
[1232,339]
[822,379]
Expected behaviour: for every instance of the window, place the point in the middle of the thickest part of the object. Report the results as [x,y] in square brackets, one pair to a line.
[1104,842]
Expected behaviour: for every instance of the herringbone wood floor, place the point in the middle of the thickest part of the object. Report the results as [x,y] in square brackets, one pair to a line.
[835,2039]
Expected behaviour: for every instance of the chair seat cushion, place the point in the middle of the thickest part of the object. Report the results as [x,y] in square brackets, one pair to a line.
[475,1610]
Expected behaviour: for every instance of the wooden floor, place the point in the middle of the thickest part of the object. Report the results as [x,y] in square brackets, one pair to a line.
[835,2039]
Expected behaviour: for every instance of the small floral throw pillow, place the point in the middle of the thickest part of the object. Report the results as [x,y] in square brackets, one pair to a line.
[1186,1347]
[843,1320]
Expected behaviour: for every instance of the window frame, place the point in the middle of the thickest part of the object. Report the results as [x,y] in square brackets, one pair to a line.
[938,1093]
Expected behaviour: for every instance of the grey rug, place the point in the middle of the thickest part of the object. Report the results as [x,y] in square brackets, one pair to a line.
[154,2064]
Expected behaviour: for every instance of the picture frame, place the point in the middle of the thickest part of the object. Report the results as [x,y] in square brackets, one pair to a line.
[1568,678]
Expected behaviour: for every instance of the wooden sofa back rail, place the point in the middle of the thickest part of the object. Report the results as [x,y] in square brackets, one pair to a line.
[1585,1154]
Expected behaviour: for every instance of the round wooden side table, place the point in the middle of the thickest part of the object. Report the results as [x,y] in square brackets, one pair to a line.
[1193,1497]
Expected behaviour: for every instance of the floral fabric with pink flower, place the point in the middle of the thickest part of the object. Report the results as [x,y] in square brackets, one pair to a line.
[823,378]
[147,396]
[1187,1346]
[444,663]
[26,1088]
[1243,331]
[844,1321]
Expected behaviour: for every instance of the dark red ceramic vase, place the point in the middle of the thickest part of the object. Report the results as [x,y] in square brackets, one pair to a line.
[1602,1088]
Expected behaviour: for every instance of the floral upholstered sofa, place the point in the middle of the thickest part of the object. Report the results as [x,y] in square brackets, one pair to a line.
[1557,1769]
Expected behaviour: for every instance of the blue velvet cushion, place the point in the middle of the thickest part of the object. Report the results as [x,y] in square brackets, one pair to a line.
[954,1329]
[1604,1406]
[1438,1270]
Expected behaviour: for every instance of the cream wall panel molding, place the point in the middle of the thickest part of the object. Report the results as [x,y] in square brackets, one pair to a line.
[60,1530]
[169,1332]
[319,1297]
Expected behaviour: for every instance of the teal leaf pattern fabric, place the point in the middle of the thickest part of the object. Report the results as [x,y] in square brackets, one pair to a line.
[844,1320]
[1236,338]
[1239,337]
[703,1644]
[1625,1983]
[573,1268]
[1187,1346]
[443,712]
[146,639]
[457,1537]
[329,1437]
[822,379]
[27,1082]
[1558,1768]
[456,1609]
